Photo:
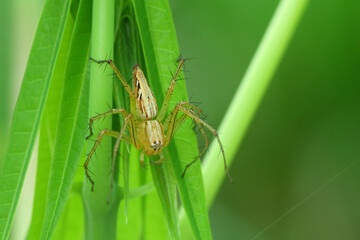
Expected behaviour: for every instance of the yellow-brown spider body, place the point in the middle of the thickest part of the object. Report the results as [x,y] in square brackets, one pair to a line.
[146,106]
[151,137]
[147,129]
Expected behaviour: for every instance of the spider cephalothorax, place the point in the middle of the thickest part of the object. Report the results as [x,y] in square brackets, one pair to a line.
[147,129]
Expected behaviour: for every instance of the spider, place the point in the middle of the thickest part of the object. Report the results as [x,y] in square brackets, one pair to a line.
[147,130]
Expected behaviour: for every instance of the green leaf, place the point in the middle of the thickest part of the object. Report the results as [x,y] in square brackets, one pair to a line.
[101,204]
[127,52]
[149,221]
[131,228]
[71,222]
[70,225]
[166,188]
[141,191]
[48,129]
[160,49]
[252,89]
[29,107]
[154,226]
[72,121]
[125,55]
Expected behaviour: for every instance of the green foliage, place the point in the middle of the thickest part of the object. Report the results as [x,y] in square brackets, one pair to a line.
[72,121]
[56,91]
[48,129]
[29,108]
[160,46]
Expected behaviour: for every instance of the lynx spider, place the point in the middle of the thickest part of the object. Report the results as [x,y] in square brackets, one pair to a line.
[146,130]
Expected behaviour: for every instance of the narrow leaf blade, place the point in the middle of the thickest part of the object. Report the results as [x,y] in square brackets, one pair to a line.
[160,48]
[164,181]
[29,108]
[48,128]
[72,121]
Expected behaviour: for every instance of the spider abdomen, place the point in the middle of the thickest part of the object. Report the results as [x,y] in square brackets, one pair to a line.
[146,106]
[151,136]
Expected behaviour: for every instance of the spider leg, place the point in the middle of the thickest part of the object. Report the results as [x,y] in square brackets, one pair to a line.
[169,92]
[162,157]
[179,123]
[117,144]
[168,119]
[111,112]
[202,152]
[116,149]
[142,159]
[118,74]
[172,127]
[108,132]
[182,118]
[121,78]
[172,124]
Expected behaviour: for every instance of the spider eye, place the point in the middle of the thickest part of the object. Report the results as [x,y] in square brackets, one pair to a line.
[154,142]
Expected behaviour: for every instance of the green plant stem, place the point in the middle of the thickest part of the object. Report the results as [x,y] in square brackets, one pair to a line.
[249,94]
[100,217]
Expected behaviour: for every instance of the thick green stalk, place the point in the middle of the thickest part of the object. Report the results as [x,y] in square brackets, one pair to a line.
[100,217]
[249,94]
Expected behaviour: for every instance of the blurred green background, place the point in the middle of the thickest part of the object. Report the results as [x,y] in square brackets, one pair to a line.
[307,130]
[296,172]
